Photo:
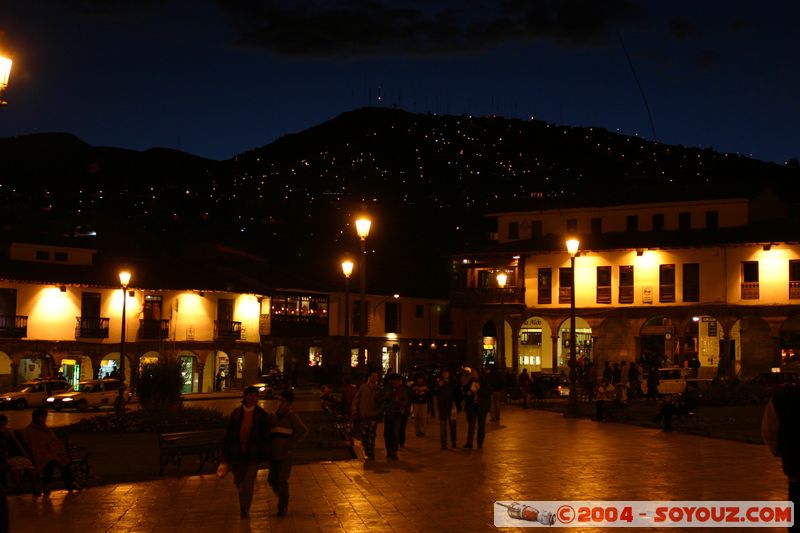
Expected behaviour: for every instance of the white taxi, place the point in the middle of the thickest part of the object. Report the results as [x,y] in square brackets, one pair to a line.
[93,393]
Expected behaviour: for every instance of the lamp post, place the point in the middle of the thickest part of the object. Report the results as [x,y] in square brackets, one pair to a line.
[362,228]
[502,278]
[572,403]
[124,280]
[347,269]
[5,72]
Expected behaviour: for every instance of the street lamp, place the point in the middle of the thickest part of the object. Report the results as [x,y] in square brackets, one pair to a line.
[124,280]
[347,269]
[502,278]
[362,229]
[5,72]
[572,403]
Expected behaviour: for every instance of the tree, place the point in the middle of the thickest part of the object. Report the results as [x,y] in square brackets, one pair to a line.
[160,385]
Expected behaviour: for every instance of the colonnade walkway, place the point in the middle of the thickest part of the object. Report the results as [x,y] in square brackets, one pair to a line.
[528,455]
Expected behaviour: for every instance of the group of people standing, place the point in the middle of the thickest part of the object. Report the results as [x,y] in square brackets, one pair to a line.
[253,437]
[394,401]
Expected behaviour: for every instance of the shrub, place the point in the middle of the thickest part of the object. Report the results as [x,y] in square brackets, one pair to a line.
[150,420]
[160,385]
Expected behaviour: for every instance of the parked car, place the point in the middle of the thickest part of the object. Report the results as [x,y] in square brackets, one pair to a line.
[775,378]
[549,385]
[93,393]
[33,393]
[270,385]
[671,380]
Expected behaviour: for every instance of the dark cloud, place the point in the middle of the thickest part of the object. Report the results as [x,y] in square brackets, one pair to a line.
[681,28]
[343,27]
[707,59]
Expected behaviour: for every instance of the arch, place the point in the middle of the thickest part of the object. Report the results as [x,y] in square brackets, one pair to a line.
[147,358]
[699,345]
[76,368]
[35,365]
[110,364]
[657,342]
[583,342]
[489,343]
[614,335]
[535,349]
[190,371]
[6,371]
[216,372]
[753,346]
[790,341]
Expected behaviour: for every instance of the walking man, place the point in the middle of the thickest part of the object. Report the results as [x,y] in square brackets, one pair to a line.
[246,446]
[367,412]
[497,384]
[448,396]
[420,398]
[397,399]
[472,404]
[286,431]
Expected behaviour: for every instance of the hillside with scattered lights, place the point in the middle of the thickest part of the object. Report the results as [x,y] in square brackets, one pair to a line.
[428,180]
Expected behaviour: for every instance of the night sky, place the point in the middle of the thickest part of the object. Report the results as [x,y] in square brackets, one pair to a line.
[216,78]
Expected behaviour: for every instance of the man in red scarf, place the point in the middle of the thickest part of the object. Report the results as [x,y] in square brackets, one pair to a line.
[246,446]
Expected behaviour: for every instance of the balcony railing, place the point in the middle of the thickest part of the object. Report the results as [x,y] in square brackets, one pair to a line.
[489,295]
[750,290]
[227,330]
[153,329]
[14,327]
[604,295]
[794,290]
[626,294]
[666,293]
[91,327]
[545,296]
[564,294]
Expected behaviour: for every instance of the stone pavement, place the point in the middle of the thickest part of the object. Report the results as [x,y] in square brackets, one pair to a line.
[530,455]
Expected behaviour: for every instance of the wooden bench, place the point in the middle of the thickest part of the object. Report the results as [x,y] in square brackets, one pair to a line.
[23,476]
[205,444]
[336,429]
[78,459]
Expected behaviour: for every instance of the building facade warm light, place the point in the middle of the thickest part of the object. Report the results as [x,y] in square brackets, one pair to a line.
[636,292]
[77,327]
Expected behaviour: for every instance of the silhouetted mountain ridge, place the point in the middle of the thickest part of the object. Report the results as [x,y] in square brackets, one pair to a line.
[428,181]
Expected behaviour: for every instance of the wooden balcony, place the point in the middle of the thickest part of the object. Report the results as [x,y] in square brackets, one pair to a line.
[749,290]
[604,295]
[666,293]
[91,327]
[13,327]
[564,295]
[153,329]
[794,290]
[488,296]
[626,294]
[227,330]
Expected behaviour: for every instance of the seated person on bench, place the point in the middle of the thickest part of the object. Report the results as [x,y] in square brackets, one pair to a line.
[47,452]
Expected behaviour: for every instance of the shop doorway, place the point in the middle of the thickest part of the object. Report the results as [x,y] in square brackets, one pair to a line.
[657,343]
[534,353]
[188,373]
[583,343]
[40,365]
[489,353]
[5,372]
[71,369]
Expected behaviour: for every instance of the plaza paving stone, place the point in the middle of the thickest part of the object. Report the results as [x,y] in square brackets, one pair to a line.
[529,455]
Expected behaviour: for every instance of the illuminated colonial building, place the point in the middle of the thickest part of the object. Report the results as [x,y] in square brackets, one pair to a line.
[711,281]
[61,308]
